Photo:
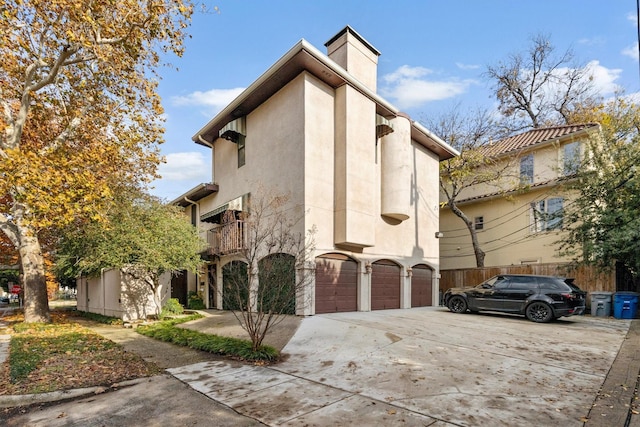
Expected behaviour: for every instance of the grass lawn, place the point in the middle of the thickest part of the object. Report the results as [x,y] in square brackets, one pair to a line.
[63,355]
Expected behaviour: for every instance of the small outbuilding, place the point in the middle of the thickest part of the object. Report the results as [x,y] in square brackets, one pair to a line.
[119,293]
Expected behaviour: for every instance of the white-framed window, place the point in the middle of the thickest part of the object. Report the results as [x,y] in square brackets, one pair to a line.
[571,158]
[546,215]
[478,223]
[526,169]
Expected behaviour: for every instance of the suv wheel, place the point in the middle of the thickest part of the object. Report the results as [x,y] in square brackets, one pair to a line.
[539,312]
[457,304]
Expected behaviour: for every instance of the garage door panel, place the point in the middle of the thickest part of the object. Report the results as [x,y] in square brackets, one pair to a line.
[421,286]
[336,285]
[385,285]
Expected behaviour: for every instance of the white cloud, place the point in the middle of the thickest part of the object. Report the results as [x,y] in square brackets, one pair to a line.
[185,166]
[604,78]
[406,72]
[631,52]
[215,98]
[467,66]
[409,87]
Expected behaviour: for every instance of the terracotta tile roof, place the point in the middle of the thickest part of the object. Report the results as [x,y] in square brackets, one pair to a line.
[533,137]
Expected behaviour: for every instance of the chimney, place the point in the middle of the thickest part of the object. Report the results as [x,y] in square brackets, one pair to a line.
[356,55]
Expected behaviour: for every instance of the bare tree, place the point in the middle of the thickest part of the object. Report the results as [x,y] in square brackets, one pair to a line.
[270,276]
[540,88]
[471,134]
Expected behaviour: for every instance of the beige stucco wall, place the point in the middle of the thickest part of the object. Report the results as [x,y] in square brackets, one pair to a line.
[319,145]
[548,164]
[355,163]
[506,238]
[274,151]
[116,295]
[348,52]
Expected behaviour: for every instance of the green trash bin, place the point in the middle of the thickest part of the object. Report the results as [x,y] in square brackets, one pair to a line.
[601,304]
[625,305]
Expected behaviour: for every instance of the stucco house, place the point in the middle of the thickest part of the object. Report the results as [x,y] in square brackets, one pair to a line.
[313,127]
[518,218]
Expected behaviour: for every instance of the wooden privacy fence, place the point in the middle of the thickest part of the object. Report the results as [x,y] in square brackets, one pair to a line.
[586,277]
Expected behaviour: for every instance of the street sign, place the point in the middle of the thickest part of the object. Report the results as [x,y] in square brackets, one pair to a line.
[15,289]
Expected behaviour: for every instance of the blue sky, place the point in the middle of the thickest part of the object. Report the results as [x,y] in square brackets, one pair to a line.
[433,55]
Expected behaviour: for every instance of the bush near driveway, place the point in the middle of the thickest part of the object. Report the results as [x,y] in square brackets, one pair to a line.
[166,330]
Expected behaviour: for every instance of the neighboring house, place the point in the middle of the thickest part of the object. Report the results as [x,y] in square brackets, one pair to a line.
[518,219]
[313,127]
[118,294]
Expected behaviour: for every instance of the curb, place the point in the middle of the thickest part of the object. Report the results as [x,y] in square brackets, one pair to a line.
[613,403]
[55,396]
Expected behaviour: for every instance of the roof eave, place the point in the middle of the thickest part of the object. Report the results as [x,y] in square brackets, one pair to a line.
[197,193]
[304,56]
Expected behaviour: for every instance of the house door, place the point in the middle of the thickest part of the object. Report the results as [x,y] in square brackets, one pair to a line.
[179,287]
[385,285]
[421,286]
[336,284]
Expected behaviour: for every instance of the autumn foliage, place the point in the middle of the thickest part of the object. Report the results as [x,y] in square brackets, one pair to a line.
[79,112]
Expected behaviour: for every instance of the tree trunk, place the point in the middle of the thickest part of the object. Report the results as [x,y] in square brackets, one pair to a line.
[36,301]
[479,253]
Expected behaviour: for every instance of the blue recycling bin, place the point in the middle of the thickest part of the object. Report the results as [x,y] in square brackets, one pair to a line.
[625,305]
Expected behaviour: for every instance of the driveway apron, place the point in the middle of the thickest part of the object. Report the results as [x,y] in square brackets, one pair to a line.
[423,366]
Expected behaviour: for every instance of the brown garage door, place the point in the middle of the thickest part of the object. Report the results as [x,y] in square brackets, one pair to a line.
[421,286]
[385,285]
[336,284]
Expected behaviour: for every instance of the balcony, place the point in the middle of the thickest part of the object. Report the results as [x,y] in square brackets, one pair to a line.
[229,239]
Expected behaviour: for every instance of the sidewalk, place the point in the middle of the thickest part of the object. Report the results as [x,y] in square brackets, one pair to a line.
[617,403]
[159,400]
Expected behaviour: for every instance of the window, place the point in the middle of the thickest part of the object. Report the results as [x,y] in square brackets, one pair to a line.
[526,169]
[241,151]
[571,158]
[194,216]
[546,215]
[478,223]
[524,282]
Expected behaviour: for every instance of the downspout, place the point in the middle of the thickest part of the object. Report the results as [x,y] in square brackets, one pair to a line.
[213,156]
[213,179]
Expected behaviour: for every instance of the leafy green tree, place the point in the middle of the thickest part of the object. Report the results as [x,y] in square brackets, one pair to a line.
[79,113]
[143,237]
[603,221]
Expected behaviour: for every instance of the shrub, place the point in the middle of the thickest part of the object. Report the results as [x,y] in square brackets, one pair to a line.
[235,347]
[171,308]
[194,301]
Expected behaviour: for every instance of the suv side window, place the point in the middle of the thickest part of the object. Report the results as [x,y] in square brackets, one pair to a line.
[502,283]
[523,282]
[550,284]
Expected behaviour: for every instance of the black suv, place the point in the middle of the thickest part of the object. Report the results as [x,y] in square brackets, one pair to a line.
[539,298]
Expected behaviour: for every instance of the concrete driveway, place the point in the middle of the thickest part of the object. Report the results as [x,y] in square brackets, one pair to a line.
[424,366]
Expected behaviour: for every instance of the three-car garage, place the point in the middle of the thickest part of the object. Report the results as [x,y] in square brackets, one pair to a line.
[336,284]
